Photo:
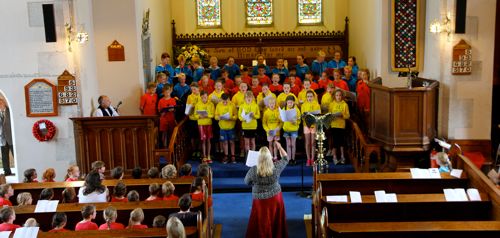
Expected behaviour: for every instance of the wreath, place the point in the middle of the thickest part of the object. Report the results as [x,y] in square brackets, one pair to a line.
[44,134]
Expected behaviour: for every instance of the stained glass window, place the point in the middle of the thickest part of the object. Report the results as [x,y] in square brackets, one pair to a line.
[259,12]
[208,13]
[310,11]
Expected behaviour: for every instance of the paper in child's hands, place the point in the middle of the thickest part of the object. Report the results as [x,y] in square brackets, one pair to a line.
[189,109]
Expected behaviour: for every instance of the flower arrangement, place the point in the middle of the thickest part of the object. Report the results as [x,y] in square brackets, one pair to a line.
[42,135]
[189,51]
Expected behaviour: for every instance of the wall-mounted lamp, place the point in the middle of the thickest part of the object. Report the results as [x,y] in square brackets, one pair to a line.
[72,35]
[437,26]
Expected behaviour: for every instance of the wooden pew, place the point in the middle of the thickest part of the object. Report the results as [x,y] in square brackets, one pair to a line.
[150,232]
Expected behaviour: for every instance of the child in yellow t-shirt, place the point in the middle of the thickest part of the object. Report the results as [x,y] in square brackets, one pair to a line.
[338,125]
[311,106]
[281,100]
[291,128]
[271,122]
[192,124]
[302,95]
[215,98]
[248,114]
[327,98]
[225,113]
[204,112]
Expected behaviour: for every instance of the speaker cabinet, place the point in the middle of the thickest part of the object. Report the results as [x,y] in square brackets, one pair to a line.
[49,22]
[461,14]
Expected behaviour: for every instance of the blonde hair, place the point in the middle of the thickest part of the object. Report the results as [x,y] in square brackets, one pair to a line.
[195,60]
[181,57]
[168,188]
[249,94]
[169,171]
[24,199]
[70,170]
[109,214]
[265,165]
[137,215]
[321,53]
[175,228]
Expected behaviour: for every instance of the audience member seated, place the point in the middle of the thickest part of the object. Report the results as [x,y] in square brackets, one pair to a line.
[119,192]
[154,191]
[59,222]
[186,171]
[68,195]
[73,174]
[168,189]
[175,228]
[137,172]
[49,175]
[153,172]
[133,196]
[24,199]
[88,214]
[169,172]
[110,216]
[6,191]
[46,194]
[203,170]
[187,217]
[31,222]
[159,221]
[99,167]
[117,172]
[30,176]
[7,215]
[136,219]
[93,190]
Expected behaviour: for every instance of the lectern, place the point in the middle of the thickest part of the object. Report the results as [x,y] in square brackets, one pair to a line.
[403,119]
[126,141]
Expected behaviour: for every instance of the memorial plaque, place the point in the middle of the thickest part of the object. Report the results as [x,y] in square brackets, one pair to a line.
[66,89]
[462,58]
[116,52]
[41,98]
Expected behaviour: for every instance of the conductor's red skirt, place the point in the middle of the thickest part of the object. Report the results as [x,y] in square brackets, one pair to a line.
[268,218]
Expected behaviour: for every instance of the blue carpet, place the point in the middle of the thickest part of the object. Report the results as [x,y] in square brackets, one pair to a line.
[232,210]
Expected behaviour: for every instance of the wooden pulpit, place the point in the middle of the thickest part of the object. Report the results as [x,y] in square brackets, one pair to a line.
[126,141]
[402,119]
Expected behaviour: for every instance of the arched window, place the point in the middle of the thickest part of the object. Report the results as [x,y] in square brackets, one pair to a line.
[208,13]
[259,12]
[310,12]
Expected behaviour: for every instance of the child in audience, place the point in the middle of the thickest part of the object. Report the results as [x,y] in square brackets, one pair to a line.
[336,62]
[226,125]
[349,78]
[73,174]
[168,189]
[148,101]
[204,113]
[338,125]
[203,170]
[110,215]
[136,218]
[49,175]
[24,199]
[153,172]
[206,84]
[301,68]
[232,68]
[154,192]
[276,87]
[159,221]
[46,194]
[261,61]
[169,172]
[319,65]
[137,172]
[351,61]
[197,189]
[185,215]
[198,68]
[6,191]
[338,82]
[133,196]
[8,215]
[68,195]
[59,220]
[303,94]
[327,98]
[31,222]
[214,69]
[271,122]
[249,125]
[119,192]
[281,100]
[166,108]
[191,124]
[175,228]
[291,129]
[245,77]
[261,76]
[99,167]
[256,88]
[185,171]
[30,176]
[117,172]
[281,69]
[311,105]
[88,214]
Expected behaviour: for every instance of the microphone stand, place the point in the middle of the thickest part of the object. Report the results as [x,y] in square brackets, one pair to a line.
[302,193]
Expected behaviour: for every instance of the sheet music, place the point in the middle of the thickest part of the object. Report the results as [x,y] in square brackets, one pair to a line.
[46,206]
[289,115]
[457,173]
[355,197]
[5,234]
[202,113]
[380,196]
[455,195]
[336,198]
[434,173]
[226,116]
[430,173]
[246,117]
[462,196]
[26,232]
[473,194]
[188,110]
[391,197]
[252,158]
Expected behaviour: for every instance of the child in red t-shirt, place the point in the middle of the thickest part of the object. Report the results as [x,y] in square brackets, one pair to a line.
[245,77]
[168,189]
[6,191]
[206,84]
[294,87]
[166,107]
[256,88]
[110,216]
[276,87]
[8,215]
[136,218]
[263,78]
[338,82]
[119,192]
[59,222]
[363,92]
[148,101]
[324,81]
[154,192]
[88,214]
[198,190]
[228,82]
[73,174]
[237,81]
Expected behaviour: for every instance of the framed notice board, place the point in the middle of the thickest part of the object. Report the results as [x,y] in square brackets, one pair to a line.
[462,58]
[41,98]
[67,89]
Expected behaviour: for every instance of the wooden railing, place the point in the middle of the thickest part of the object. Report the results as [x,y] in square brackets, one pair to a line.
[359,149]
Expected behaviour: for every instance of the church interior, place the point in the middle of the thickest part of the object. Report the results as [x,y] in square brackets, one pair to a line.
[413,152]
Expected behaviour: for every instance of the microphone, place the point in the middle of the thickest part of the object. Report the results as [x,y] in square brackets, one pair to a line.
[118,105]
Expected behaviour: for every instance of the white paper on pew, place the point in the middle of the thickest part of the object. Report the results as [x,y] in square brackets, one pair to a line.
[26,232]
[252,158]
[434,173]
[355,197]
[391,197]
[417,173]
[188,109]
[336,198]
[46,206]
[5,234]
[473,194]
[380,196]
[450,195]
[462,196]
[457,173]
